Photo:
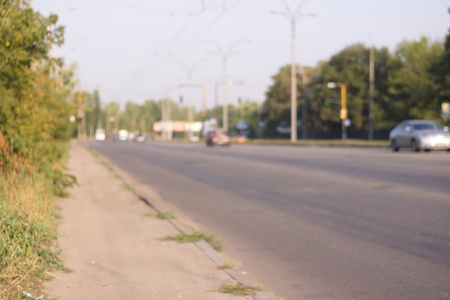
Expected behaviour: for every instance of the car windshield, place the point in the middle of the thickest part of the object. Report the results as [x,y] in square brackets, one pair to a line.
[427,126]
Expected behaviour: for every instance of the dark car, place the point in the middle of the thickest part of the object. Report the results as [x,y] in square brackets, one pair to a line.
[218,137]
[419,135]
[140,138]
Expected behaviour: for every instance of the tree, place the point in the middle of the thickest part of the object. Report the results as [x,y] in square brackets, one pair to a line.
[441,73]
[97,113]
[27,37]
[277,106]
[130,117]
[413,93]
[151,113]
[246,111]
[33,110]
[112,111]
[350,67]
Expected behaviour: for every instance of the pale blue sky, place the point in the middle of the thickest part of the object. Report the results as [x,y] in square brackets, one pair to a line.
[135,49]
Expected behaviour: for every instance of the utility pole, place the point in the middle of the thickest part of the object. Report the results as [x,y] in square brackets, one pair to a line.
[216,101]
[190,70]
[304,105]
[79,115]
[166,117]
[204,102]
[292,17]
[203,87]
[225,55]
[371,92]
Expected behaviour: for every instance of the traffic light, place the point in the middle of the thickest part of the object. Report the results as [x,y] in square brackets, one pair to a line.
[181,99]
[327,103]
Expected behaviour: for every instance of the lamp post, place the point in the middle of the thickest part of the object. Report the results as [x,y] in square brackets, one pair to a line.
[225,55]
[343,113]
[190,69]
[80,114]
[371,92]
[110,130]
[292,16]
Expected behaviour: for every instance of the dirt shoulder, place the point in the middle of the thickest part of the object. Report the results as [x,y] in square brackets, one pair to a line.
[114,248]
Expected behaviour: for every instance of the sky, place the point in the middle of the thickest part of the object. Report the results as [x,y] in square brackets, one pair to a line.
[138,50]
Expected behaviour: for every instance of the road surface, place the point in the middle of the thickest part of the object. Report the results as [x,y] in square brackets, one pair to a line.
[309,222]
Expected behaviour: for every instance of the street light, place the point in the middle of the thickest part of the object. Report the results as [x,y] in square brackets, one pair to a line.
[371,92]
[292,17]
[343,113]
[190,69]
[225,55]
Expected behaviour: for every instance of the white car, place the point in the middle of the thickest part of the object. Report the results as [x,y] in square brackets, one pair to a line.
[123,135]
[419,135]
[100,134]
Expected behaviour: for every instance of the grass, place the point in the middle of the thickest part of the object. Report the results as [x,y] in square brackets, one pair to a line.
[27,233]
[226,266]
[107,165]
[126,187]
[195,237]
[161,216]
[238,289]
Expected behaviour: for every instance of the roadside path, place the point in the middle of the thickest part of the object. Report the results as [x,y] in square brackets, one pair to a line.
[114,247]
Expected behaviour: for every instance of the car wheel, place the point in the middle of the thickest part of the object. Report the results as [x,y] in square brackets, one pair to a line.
[394,146]
[414,146]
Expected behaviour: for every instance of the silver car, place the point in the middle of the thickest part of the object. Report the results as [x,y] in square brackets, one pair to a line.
[419,135]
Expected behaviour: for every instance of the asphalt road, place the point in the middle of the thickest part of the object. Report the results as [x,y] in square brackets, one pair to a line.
[309,222]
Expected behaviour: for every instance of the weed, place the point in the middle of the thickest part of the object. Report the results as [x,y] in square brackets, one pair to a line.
[107,165]
[226,266]
[195,237]
[162,215]
[238,289]
[27,235]
[126,187]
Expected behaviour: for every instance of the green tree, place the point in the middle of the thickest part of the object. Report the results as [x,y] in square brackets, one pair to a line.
[131,115]
[112,111]
[151,113]
[441,73]
[277,106]
[413,93]
[27,37]
[350,67]
[33,110]
[96,103]
[246,111]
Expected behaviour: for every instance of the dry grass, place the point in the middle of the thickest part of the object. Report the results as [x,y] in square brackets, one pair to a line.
[195,237]
[27,235]
[239,289]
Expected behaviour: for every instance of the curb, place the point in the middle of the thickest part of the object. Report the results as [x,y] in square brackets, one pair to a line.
[145,193]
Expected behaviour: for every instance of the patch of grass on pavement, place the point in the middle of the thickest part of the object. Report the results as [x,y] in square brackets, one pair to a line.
[238,289]
[161,216]
[107,165]
[195,237]
[226,266]
[126,187]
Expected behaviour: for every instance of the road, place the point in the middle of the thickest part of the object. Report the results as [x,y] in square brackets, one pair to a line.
[309,222]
